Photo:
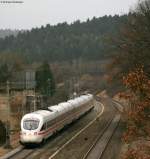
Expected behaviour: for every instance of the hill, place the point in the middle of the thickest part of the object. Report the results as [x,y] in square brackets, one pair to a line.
[65,42]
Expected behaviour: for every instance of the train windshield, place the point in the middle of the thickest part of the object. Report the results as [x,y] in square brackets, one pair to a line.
[30,124]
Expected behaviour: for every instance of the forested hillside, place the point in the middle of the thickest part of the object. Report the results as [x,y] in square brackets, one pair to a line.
[8,32]
[65,42]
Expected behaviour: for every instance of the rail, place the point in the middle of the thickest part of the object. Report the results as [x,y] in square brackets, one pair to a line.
[100,144]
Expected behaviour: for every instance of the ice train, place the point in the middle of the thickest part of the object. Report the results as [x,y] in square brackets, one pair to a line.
[37,126]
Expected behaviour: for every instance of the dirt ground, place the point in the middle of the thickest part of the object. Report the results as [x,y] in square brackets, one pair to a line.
[14,142]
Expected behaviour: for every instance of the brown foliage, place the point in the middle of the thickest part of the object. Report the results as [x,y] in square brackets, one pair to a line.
[137,154]
[137,81]
[138,111]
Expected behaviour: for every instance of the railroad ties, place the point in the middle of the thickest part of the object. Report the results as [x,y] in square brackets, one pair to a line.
[100,145]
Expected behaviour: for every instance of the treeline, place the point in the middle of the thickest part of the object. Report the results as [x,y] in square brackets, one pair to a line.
[8,32]
[65,42]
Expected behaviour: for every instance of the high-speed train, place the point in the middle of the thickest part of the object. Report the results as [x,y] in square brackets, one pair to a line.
[37,126]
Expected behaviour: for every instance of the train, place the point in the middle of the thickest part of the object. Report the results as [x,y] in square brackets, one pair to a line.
[37,126]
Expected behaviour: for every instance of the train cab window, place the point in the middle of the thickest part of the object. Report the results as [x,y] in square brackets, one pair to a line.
[43,127]
[30,124]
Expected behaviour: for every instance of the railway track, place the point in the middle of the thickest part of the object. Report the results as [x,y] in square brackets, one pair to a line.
[23,154]
[99,146]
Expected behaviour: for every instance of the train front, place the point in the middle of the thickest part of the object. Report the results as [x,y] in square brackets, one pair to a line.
[30,127]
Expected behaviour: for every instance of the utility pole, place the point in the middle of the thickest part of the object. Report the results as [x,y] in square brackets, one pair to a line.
[34,100]
[7,144]
[34,103]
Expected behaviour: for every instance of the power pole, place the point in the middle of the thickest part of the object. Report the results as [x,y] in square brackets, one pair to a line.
[34,103]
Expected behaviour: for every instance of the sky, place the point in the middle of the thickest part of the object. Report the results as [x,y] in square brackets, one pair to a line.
[34,13]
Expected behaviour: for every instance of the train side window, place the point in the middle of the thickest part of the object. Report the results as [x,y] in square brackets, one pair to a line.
[43,127]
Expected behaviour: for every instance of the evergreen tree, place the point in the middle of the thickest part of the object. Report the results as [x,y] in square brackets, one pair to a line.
[45,83]
[4,73]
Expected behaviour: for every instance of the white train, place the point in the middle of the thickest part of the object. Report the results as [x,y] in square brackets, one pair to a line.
[37,126]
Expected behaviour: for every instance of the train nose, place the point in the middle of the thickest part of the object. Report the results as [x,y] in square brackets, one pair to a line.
[30,137]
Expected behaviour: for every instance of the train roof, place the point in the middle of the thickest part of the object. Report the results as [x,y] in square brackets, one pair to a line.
[40,114]
[55,110]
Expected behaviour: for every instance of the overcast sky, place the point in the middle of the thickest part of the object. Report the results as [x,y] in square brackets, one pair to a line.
[34,13]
